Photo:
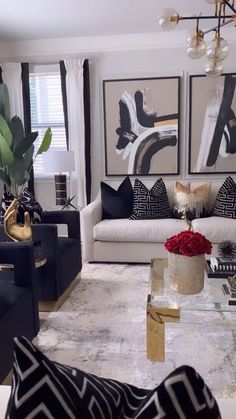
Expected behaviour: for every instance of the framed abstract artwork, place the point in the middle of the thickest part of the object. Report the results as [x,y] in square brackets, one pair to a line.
[212,124]
[141,126]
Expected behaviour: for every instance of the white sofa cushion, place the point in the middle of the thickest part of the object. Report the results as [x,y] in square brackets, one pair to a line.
[216,229]
[126,230]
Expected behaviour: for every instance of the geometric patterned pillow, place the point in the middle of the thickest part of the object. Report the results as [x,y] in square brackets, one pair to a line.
[28,203]
[150,204]
[225,202]
[183,394]
[7,199]
[45,389]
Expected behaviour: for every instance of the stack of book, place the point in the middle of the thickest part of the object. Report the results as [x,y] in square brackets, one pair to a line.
[221,268]
[229,289]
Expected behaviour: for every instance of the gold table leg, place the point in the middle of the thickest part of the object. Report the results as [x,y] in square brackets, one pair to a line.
[156,319]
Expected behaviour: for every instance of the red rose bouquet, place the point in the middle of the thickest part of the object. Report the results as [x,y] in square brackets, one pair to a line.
[188,243]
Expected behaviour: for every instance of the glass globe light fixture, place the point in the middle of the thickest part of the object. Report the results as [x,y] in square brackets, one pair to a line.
[169,20]
[213,69]
[196,45]
[218,49]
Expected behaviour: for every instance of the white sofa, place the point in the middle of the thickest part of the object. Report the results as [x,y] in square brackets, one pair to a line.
[124,240]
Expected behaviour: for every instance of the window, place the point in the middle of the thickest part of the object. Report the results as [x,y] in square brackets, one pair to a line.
[46,109]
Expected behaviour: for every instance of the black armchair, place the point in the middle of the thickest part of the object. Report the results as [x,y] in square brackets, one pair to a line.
[63,253]
[18,300]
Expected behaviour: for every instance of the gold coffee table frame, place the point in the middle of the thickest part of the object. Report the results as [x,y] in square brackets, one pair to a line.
[157,316]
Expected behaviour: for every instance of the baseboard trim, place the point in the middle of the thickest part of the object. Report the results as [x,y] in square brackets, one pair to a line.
[54,305]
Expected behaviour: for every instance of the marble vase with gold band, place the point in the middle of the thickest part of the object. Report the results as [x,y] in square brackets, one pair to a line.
[186,273]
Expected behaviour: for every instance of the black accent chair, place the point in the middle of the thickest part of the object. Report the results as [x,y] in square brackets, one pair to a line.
[18,300]
[63,253]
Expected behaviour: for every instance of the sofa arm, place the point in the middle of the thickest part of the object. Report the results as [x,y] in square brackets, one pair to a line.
[90,216]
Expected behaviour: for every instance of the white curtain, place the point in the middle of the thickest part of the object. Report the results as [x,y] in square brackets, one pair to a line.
[76,127]
[11,75]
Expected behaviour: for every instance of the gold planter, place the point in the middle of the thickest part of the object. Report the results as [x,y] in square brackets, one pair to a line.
[186,273]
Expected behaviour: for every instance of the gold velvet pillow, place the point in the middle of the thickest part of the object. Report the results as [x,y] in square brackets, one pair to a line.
[194,203]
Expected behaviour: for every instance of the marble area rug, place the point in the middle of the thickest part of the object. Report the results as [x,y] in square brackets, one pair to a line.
[101,328]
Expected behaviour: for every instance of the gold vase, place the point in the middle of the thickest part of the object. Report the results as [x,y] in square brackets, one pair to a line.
[186,273]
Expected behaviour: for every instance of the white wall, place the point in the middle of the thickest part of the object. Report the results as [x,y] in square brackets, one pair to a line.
[118,57]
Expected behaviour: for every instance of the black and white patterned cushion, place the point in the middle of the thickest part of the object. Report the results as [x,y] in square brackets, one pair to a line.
[183,394]
[45,389]
[225,202]
[150,204]
[28,203]
[7,199]
[59,391]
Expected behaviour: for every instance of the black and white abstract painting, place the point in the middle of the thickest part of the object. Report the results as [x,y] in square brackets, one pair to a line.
[141,126]
[212,124]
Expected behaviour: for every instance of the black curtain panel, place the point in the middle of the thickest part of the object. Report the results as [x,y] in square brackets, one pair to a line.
[27,116]
[64,98]
[1,80]
[87,130]
[86,120]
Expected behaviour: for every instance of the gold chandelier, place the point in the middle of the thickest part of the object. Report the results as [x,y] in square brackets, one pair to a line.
[217,50]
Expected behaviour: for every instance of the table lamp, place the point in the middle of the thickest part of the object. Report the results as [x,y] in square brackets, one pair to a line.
[59,163]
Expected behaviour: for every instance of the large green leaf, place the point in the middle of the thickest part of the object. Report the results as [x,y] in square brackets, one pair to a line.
[5,130]
[46,142]
[17,170]
[5,178]
[4,102]
[25,143]
[28,158]
[6,153]
[17,131]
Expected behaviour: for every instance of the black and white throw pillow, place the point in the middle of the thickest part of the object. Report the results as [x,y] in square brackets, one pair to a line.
[7,199]
[117,204]
[183,394]
[225,202]
[28,203]
[45,389]
[150,204]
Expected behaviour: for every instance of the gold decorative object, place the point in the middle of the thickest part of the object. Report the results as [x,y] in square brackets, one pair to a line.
[186,273]
[188,222]
[12,229]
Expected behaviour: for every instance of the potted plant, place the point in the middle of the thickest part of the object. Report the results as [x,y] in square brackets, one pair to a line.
[16,147]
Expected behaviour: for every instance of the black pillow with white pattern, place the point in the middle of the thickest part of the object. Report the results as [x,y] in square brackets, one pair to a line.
[27,203]
[45,389]
[150,204]
[225,202]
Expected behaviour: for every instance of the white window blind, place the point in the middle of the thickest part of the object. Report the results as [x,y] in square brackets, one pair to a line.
[46,109]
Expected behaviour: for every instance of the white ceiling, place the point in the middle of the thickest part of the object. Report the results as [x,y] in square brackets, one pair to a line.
[44,19]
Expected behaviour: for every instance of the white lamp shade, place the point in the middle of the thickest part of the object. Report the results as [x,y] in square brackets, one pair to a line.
[58,161]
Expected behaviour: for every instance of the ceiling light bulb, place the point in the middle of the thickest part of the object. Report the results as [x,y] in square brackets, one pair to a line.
[217,49]
[196,46]
[213,69]
[169,19]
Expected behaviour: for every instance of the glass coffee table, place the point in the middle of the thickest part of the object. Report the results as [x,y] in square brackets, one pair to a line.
[164,305]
